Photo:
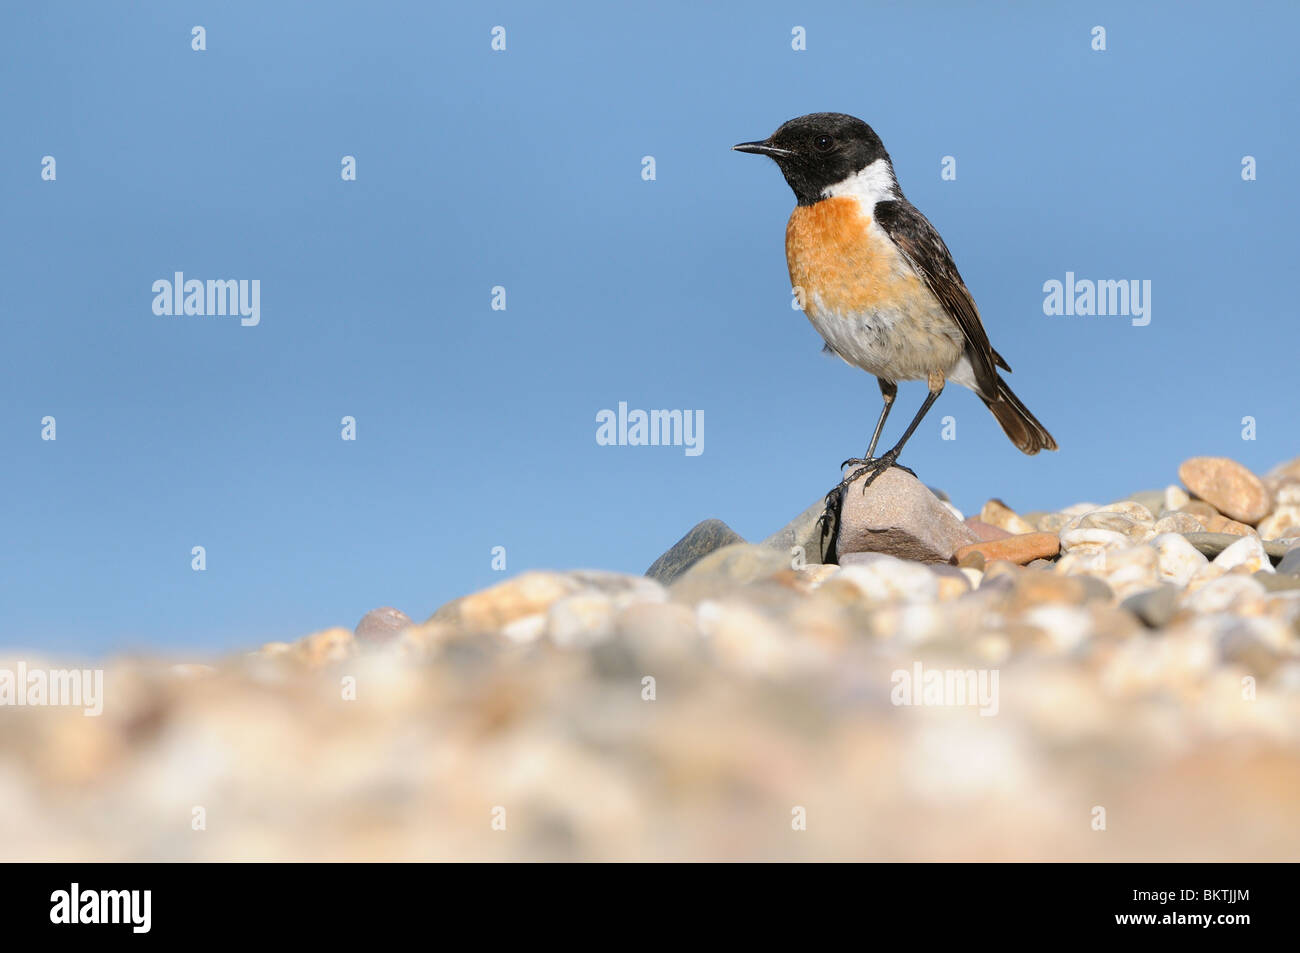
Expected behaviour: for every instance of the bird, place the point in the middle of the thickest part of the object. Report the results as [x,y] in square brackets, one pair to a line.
[878,283]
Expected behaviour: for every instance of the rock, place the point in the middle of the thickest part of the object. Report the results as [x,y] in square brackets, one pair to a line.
[730,567]
[325,647]
[1020,549]
[379,626]
[1153,501]
[1277,581]
[1242,645]
[1175,498]
[1132,570]
[1289,470]
[1285,490]
[953,583]
[1083,561]
[660,635]
[898,516]
[1211,544]
[804,531]
[1281,523]
[1034,589]
[1131,510]
[880,577]
[1051,522]
[996,513]
[580,620]
[526,596]
[1290,562]
[1179,523]
[1177,559]
[1248,551]
[517,608]
[1087,539]
[1201,510]
[704,538]
[1221,524]
[1138,529]
[985,532]
[1155,607]
[1225,594]
[1232,489]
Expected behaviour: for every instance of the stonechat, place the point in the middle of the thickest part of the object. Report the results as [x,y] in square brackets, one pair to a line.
[878,283]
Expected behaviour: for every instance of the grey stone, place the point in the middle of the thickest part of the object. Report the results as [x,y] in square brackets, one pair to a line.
[1277,581]
[1211,544]
[1096,590]
[805,531]
[1155,607]
[1290,562]
[704,538]
[898,516]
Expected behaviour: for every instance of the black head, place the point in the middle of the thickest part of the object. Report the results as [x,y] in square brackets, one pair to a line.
[819,150]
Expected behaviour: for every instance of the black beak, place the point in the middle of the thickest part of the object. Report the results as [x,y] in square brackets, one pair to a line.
[763,148]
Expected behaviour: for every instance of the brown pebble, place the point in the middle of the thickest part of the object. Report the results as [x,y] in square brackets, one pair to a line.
[1021,549]
[1228,486]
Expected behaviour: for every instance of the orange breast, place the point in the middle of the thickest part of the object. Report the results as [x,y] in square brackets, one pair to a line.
[845,264]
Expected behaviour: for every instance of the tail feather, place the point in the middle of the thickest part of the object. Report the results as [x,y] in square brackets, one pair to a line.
[1020,425]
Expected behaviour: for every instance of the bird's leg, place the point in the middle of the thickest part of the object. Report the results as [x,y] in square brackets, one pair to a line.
[889,458]
[888,391]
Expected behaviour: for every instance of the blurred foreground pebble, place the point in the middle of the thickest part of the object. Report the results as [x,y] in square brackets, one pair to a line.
[1103,682]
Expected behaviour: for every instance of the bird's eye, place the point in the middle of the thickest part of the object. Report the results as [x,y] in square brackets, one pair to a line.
[823,143]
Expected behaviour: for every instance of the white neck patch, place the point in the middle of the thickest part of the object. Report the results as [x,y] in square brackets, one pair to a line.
[875,183]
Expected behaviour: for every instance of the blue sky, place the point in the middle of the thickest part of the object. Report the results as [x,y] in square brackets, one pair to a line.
[522,169]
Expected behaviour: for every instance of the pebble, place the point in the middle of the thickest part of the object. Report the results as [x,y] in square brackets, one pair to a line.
[1247,551]
[1089,539]
[985,532]
[1127,666]
[1177,522]
[1019,549]
[1154,607]
[1177,560]
[325,648]
[380,626]
[896,515]
[1228,486]
[1281,523]
[996,513]
[703,538]
[804,532]
[1132,570]
[580,620]
[882,578]
[1175,498]
[1290,562]
[736,565]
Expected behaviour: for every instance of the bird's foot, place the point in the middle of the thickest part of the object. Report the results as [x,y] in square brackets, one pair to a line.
[874,466]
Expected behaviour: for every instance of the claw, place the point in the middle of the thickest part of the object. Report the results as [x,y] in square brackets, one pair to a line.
[874,466]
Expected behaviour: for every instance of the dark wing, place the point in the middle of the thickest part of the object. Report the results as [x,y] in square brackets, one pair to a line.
[925,251]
